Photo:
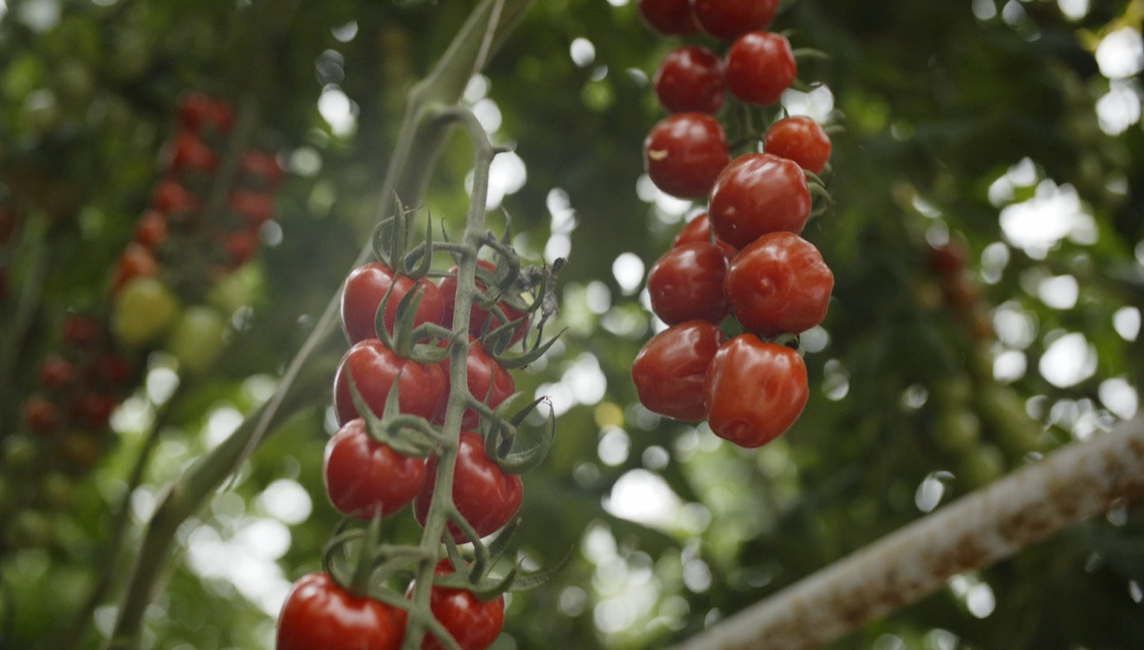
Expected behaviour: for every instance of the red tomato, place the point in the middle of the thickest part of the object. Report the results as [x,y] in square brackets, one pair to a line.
[686,283]
[668,372]
[684,153]
[487,381]
[40,414]
[698,231]
[170,196]
[136,262]
[57,373]
[760,66]
[473,624]
[421,388]
[363,475]
[758,193]
[80,331]
[948,259]
[151,229]
[668,17]
[362,294]
[240,246]
[777,284]
[261,166]
[690,78]
[255,207]
[800,139]
[198,112]
[188,153]
[483,494]
[754,390]
[477,316]
[320,614]
[726,19]
[93,410]
[110,371]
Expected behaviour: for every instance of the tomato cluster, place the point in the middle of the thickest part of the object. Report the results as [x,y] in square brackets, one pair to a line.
[958,291]
[743,257]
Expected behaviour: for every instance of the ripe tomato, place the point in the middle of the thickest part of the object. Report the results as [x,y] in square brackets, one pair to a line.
[40,415]
[669,371]
[668,17]
[110,371]
[477,316]
[151,229]
[262,167]
[421,388]
[473,624]
[487,381]
[948,259]
[239,246]
[93,410]
[318,613]
[255,207]
[362,294]
[726,19]
[686,283]
[171,197]
[754,390]
[777,284]
[135,262]
[142,310]
[684,153]
[698,231]
[800,139]
[690,78]
[363,476]
[760,66]
[57,373]
[758,193]
[188,153]
[80,331]
[483,494]
[198,112]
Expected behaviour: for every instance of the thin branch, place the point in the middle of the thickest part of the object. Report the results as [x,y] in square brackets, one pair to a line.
[1077,482]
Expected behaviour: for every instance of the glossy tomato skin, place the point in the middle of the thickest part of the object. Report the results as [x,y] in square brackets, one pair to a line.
[669,371]
[684,153]
[760,66]
[483,494]
[473,624]
[754,390]
[698,231]
[756,194]
[686,283]
[727,19]
[477,316]
[668,17]
[778,284]
[364,290]
[363,476]
[690,78]
[800,139]
[487,381]
[421,388]
[318,613]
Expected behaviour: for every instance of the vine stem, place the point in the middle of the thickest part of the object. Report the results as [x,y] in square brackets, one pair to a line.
[1078,481]
[21,325]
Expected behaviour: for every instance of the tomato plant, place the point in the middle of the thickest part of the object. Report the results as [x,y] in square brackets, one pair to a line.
[779,283]
[364,476]
[698,231]
[754,390]
[319,613]
[478,318]
[684,153]
[686,283]
[757,194]
[487,382]
[690,78]
[760,66]
[726,19]
[196,339]
[142,310]
[483,494]
[800,139]
[474,624]
[669,371]
[57,372]
[421,387]
[668,17]
[364,289]
[188,153]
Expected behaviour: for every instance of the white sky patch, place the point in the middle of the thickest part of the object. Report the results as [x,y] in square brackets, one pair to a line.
[563,222]
[583,52]
[629,272]
[345,33]
[1119,108]
[220,424]
[1014,326]
[1040,223]
[1073,9]
[338,111]
[614,446]
[489,115]
[1119,397]
[286,501]
[1009,366]
[1121,54]
[1068,360]
[645,498]
[1060,292]
[816,104]
[1126,321]
[507,175]
[984,9]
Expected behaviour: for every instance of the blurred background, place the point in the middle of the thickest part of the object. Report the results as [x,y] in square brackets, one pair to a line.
[1001,140]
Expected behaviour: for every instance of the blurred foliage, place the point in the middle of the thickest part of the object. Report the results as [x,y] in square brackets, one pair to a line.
[950,119]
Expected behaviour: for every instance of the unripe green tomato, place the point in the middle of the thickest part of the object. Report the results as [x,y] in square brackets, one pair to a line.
[956,431]
[143,310]
[981,465]
[197,338]
[237,289]
[29,529]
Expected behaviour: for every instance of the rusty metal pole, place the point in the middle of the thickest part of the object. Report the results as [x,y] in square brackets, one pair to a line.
[1078,481]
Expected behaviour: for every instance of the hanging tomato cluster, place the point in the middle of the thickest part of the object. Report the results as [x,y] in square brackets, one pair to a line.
[743,257]
[391,399]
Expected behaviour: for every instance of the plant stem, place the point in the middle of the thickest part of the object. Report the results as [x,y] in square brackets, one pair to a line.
[21,324]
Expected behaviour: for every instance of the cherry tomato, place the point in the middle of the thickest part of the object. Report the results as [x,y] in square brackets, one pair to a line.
[318,613]
[948,259]
[726,19]
[960,293]
[110,371]
[669,371]
[698,231]
[668,17]
[136,262]
[262,167]
[473,624]
[171,197]
[57,373]
[483,494]
[239,246]
[477,316]
[690,78]
[684,153]
[364,290]
[686,283]
[188,153]
[40,414]
[198,112]
[421,388]
[93,410]
[255,207]
[758,193]
[487,381]
[754,390]
[363,476]
[151,229]
[144,309]
[800,139]
[80,331]
[196,339]
[760,66]
[777,284]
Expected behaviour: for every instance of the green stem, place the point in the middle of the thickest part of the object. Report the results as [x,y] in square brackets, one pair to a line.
[21,325]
